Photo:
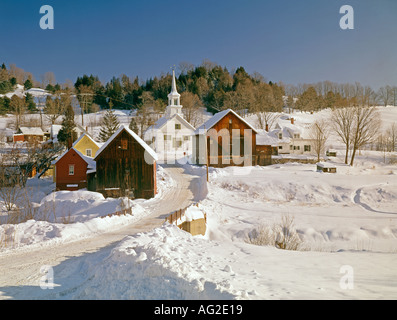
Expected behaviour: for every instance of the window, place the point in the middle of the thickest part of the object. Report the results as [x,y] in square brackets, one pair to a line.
[308,148]
[177,142]
[291,147]
[167,137]
[186,138]
[296,136]
[88,152]
[297,147]
[280,147]
[177,126]
[71,169]
[124,144]
[280,135]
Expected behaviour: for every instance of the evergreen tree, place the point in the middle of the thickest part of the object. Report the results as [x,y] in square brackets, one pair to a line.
[110,124]
[30,104]
[133,126]
[67,135]
[28,84]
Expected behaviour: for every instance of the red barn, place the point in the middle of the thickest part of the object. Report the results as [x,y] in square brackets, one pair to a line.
[224,140]
[71,170]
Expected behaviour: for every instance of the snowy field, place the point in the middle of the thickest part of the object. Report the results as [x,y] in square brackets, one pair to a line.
[346,222]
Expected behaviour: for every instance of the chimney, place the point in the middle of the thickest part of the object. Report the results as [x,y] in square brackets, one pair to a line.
[267,128]
[292,120]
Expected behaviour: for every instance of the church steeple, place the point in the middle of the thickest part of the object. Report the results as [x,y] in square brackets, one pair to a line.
[174,99]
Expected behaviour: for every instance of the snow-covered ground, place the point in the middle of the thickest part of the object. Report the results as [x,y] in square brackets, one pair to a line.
[347,223]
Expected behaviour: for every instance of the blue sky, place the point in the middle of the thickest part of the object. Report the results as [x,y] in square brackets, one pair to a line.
[285,40]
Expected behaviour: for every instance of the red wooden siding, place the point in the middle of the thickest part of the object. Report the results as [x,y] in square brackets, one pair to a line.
[63,179]
[224,124]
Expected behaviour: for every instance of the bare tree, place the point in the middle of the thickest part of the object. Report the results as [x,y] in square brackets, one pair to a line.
[48,78]
[191,107]
[265,105]
[86,98]
[55,106]
[394,96]
[18,107]
[319,135]
[391,136]
[385,95]
[342,123]
[17,73]
[366,124]
[184,67]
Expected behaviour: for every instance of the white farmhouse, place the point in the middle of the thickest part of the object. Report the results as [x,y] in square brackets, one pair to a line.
[171,136]
[293,138]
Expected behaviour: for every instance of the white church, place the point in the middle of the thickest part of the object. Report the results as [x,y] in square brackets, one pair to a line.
[171,136]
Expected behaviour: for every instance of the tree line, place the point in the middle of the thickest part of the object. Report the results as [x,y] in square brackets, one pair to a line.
[208,85]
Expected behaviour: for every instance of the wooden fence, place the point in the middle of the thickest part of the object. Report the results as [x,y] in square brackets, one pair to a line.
[119,213]
[178,214]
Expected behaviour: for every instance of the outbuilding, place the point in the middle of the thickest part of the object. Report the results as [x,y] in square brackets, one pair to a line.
[326,167]
[71,170]
[224,140]
[125,166]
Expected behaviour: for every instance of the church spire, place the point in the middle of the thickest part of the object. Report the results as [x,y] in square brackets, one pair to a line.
[173,88]
[174,99]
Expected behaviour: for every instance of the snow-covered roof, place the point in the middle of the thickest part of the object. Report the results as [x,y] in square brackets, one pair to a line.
[326,165]
[264,138]
[89,137]
[37,131]
[55,129]
[289,130]
[163,120]
[216,118]
[91,164]
[149,150]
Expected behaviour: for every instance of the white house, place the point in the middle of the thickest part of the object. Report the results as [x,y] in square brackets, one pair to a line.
[171,136]
[293,138]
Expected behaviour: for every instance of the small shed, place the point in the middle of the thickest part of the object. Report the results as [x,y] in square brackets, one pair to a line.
[331,153]
[326,167]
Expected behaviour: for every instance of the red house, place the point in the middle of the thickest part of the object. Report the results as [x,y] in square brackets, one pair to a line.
[71,170]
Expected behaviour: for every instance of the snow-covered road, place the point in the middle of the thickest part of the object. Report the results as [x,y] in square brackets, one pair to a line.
[21,268]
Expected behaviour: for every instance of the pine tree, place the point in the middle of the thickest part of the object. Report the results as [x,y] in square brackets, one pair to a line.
[110,124]
[28,84]
[133,126]
[67,135]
